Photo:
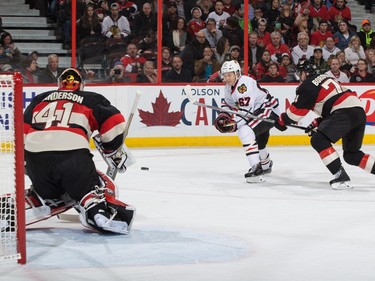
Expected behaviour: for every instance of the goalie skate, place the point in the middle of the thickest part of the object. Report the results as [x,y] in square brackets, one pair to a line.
[341,180]
[255,174]
[109,224]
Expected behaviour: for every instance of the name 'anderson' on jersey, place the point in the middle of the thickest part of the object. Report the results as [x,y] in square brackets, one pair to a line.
[65,120]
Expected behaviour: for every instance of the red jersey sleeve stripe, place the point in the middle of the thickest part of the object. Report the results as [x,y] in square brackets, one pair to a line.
[111,122]
[296,114]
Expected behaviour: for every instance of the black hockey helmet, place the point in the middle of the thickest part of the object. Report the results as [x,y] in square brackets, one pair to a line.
[307,67]
[70,80]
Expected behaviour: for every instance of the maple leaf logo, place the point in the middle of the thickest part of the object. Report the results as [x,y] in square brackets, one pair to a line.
[160,116]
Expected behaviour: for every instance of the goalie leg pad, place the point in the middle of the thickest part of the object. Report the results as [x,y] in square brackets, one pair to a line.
[38,209]
[104,213]
[125,211]
[110,186]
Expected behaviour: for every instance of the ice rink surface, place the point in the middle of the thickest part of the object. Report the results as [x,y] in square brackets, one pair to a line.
[198,220]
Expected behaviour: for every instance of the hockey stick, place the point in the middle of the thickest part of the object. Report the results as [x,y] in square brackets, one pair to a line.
[112,169]
[239,113]
[132,112]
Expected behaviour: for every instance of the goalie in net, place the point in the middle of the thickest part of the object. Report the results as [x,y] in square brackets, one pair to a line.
[58,127]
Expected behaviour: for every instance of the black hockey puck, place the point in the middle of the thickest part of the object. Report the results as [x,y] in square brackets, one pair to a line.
[145,168]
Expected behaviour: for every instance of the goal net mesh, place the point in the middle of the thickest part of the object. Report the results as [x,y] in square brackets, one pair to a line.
[8,208]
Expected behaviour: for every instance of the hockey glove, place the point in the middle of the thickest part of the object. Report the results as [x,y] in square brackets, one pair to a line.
[280,123]
[118,159]
[225,124]
[312,128]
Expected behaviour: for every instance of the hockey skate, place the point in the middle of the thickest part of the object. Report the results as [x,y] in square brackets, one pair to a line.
[341,180]
[255,174]
[269,169]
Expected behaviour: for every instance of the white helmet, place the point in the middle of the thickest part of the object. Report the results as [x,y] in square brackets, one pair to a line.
[231,66]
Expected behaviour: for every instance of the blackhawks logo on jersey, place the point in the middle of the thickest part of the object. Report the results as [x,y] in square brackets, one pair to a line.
[242,88]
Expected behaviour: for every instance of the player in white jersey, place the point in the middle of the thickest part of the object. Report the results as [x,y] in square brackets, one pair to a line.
[244,94]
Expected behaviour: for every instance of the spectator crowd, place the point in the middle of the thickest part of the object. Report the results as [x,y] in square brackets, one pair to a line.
[199,36]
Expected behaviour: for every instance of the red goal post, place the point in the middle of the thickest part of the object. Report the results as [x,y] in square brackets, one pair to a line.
[12,179]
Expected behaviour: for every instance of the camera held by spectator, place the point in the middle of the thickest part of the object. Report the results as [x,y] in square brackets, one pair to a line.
[117,74]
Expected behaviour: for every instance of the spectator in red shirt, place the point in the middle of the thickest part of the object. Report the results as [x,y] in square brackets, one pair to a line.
[318,38]
[262,66]
[264,37]
[338,12]
[318,11]
[133,63]
[276,48]
[229,7]
[196,23]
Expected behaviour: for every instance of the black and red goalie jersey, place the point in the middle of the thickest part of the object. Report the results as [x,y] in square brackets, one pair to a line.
[64,120]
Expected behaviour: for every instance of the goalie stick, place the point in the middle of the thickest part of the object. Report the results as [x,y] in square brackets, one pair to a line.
[239,113]
[112,169]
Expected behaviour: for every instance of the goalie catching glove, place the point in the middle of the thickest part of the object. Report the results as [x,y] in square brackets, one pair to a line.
[118,159]
[225,124]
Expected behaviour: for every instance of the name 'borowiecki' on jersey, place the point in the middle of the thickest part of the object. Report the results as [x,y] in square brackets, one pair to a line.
[322,95]
[67,120]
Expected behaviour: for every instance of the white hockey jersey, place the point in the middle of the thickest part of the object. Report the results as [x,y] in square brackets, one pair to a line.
[247,95]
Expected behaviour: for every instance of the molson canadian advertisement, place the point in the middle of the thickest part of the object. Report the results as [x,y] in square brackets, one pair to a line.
[166,117]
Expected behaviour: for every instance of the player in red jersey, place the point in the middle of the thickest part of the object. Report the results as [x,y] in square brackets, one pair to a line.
[341,116]
[58,127]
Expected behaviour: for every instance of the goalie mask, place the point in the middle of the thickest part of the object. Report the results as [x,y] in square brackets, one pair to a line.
[70,80]
[231,66]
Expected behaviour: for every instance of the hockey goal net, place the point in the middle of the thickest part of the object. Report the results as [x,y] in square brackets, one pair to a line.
[12,188]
